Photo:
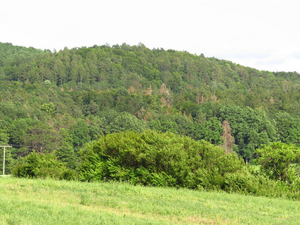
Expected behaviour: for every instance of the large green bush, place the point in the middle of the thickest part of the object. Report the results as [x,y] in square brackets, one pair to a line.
[158,159]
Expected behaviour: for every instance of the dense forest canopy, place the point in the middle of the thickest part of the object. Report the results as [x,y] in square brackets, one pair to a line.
[58,101]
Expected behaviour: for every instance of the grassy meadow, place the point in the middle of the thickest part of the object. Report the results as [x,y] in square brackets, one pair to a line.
[34,201]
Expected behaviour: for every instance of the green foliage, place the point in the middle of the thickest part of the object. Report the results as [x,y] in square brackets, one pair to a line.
[4,134]
[80,133]
[13,55]
[48,108]
[17,132]
[276,159]
[37,165]
[250,127]
[250,182]
[126,121]
[42,138]
[47,82]
[288,128]
[99,90]
[158,159]
[209,130]
[66,152]
[58,102]
[13,111]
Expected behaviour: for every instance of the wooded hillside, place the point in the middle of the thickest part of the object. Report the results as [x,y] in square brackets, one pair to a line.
[58,101]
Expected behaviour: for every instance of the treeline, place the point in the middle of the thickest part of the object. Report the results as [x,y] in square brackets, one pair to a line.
[57,102]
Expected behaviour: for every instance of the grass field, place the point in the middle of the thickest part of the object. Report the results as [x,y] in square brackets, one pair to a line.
[24,201]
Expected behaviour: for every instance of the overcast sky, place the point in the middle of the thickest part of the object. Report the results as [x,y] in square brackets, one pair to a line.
[262,34]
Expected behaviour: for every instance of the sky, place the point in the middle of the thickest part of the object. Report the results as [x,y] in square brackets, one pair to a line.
[263,34]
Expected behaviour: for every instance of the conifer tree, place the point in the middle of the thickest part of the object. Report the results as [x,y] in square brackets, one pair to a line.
[66,152]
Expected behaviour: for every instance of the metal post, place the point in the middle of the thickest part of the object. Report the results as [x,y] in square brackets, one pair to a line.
[4,161]
[4,146]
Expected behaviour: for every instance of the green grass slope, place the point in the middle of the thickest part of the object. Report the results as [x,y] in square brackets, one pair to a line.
[24,201]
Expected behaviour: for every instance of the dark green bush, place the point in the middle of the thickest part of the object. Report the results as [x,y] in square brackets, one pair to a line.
[158,159]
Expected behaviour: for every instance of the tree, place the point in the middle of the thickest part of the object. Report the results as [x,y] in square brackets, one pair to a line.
[80,133]
[276,160]
[210,131]
[250,127]
[4,132]
[66,152]
[41,138]
[164,123]
[17,132]
[48,108]
[126,121]
[228,140]
[288,128]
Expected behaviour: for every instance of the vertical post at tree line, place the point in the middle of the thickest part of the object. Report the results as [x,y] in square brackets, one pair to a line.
[4,146]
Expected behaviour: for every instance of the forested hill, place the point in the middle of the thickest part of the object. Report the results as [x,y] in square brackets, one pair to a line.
[104,67]
[11,55]
[58,101]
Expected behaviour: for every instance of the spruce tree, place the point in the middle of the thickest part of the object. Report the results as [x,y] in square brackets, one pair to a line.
[66,152]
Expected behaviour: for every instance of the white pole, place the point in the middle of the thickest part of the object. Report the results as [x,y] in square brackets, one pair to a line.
[4,161]
[4,157]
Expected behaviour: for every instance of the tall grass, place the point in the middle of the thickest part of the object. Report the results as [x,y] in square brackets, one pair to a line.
[24,201]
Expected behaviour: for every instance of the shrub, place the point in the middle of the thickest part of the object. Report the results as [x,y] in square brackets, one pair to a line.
[276,161]
[246,181]
[37,165]
[158,159]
